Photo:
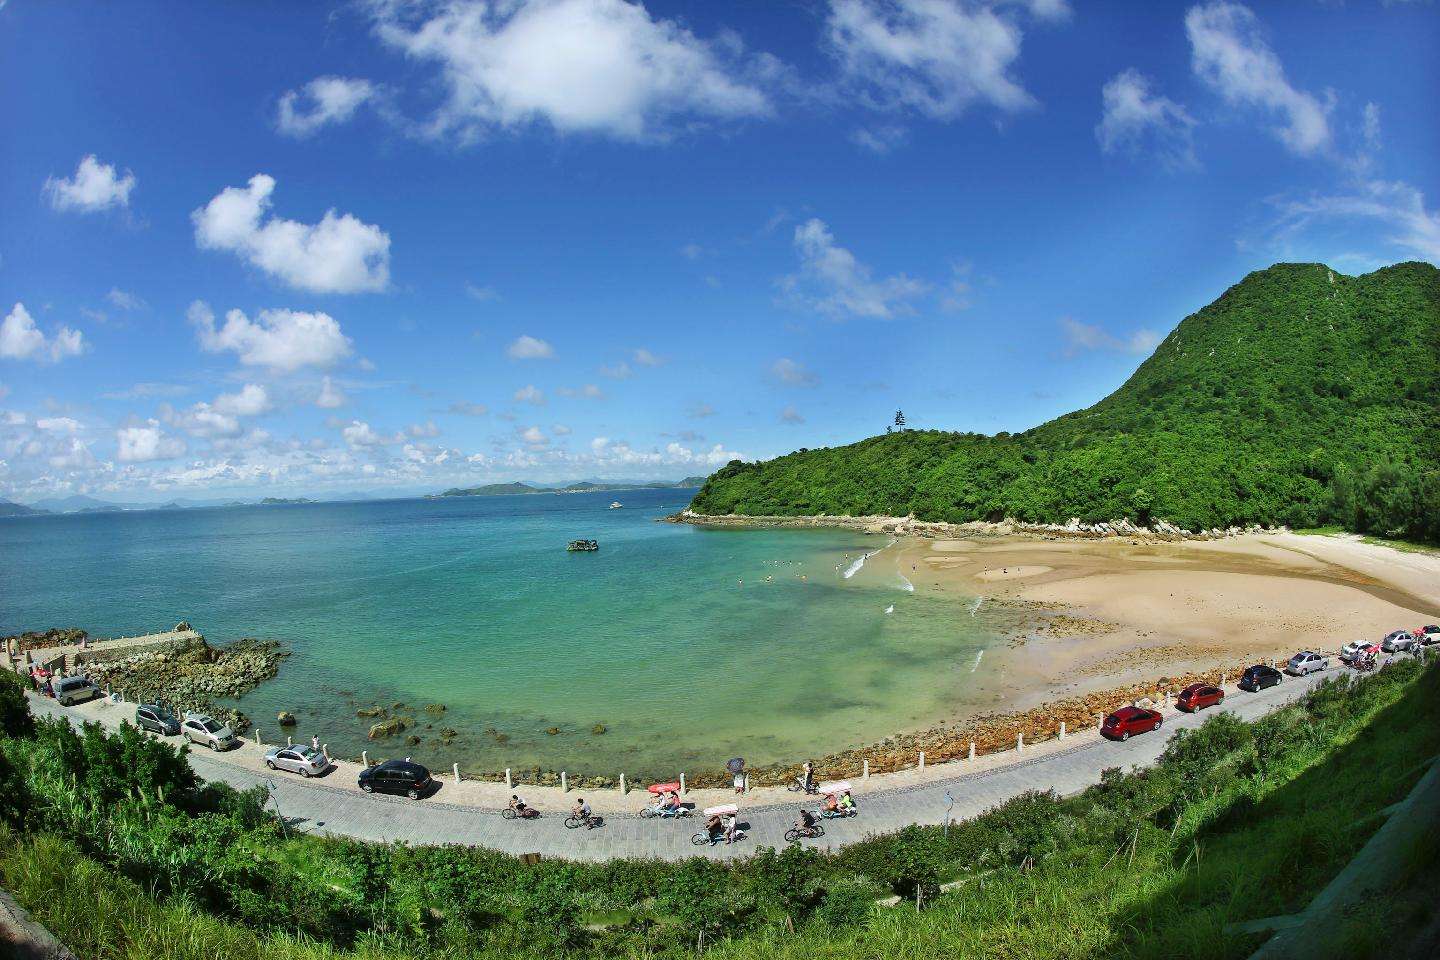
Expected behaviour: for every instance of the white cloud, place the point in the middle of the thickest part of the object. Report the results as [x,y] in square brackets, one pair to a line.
[322,101]
[72,454]
[647,359]
[617,371]
[360,434]
[529,394]
[700,411]
[1135,120]
[529,348]
[1397,205]
[881,139]
[468,409]
[124,300]
[792,374]
[426,429]
[95,186]
[934,56]
[791,416]
[20,339]
[1230,54]
[283,340]
[560,430]
[1086,336]
[481,294]
[835,283]
[533,436]
[203,420]
[58,424]
[146,443]
[339,254]
[331,396]
[580,66]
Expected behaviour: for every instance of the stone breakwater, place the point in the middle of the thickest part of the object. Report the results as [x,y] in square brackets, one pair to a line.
[195,676]
[1074,529]
[22,643]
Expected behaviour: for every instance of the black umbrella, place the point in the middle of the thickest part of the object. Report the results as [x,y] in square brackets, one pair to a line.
[736,765]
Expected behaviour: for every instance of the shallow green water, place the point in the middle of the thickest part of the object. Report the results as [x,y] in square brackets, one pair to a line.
[474,603]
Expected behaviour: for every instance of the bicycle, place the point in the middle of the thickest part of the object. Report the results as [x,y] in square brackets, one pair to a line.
[795,834]
[574,821]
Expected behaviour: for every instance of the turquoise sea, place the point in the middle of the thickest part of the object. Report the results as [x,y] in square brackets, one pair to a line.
[691,646]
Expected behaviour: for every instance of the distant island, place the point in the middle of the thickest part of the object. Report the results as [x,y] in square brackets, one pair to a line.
[584,486]
[270,501]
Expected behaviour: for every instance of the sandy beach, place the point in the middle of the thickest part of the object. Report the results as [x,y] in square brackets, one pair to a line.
[1110,612]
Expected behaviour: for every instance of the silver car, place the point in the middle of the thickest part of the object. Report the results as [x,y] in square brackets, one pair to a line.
[1306,663]
[207,731]
[1399,642]
[72,690]
[306,761]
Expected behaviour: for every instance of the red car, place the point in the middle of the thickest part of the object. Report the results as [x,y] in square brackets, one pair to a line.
[1127,720]
[1198,696]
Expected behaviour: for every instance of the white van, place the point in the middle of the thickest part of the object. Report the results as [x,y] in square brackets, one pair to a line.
[73,690]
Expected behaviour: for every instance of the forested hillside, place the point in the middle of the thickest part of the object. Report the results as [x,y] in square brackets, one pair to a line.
[1301,396]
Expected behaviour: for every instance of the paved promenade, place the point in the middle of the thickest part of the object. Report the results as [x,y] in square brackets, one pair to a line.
[334,805]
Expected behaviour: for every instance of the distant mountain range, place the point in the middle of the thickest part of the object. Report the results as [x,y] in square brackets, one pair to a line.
[584,486]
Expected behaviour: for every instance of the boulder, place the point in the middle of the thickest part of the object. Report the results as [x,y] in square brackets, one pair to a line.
[285,718]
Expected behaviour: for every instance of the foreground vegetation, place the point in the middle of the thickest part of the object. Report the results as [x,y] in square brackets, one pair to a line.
[1301,396]
[115,846]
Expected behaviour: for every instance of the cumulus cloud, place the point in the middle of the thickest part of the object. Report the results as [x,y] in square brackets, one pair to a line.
[792,374]
[21,339]
[331,396]
[1085,336]
[527,347]
[358,433]
[72,454]
[58,424]
[145,443]
[251,401]
[321,102]
[1230,54]
[1135,121]
[95,186]
[124,300]
[529,394]
[340,254]
[283,340]
[936,57]
[532,436]
[579,66]
[833,282]
[560,430]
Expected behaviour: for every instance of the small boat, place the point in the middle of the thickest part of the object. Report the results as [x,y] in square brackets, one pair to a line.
[616,505]
[583,546]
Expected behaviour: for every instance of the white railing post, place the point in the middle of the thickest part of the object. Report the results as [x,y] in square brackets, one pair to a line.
[922,759]
[622,784]
[509,783]
[564,782]
[682,783]
[288,742]
[364,759]
[456,767]
[972,749]
[257,736]
[866,774]
[1019,742]
[1062,729]
[324,749]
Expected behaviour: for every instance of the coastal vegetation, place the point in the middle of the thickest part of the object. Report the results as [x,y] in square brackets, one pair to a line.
[110,840]
[1300,397]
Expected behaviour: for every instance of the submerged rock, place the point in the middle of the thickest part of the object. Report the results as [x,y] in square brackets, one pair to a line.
[285,718]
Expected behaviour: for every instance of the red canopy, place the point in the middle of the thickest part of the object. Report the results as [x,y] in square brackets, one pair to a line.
[664,787]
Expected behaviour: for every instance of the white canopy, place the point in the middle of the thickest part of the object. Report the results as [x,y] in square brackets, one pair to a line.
[721,810]
[839,786]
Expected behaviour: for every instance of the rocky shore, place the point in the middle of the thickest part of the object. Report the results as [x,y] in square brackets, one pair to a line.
[1158,530]
[195,676]
[22,643]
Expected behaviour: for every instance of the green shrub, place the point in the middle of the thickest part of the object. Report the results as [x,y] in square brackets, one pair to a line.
[15,719]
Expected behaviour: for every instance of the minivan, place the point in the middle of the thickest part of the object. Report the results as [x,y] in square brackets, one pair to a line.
[72,690]
[156,719]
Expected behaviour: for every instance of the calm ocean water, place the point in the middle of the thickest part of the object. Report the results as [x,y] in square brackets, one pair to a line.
[474,603]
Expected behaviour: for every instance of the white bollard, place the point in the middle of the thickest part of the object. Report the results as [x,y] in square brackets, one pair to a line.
[564,783]
[922,759]
[288,743]
[1222,679]
[1019,741]
[1062,729]
[972,749]
[622,784]
[324,749]
[509,784]
[364,759]
[866,768]
[682,783]
[257,736]
[456,768]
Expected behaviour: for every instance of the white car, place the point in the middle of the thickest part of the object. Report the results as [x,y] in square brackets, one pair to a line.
[207,731]
[1399,641]
[1306,663]
[1430,633]
[306,761]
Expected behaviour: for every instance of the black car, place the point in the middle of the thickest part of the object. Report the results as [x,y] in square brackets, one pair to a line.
[156,719]
[397,776]
[1259,677]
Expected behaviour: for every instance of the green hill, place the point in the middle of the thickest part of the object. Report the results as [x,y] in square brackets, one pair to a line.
[1301,396]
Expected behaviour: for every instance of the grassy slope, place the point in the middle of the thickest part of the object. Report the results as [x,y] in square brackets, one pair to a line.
[1243,413]
[1239,822]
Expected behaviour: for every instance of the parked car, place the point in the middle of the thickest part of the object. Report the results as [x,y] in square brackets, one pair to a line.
[1258,677]
[306,761]
[1399,641]
[1305,663]
[1358,648]
[206,731]
[72,690]
[397,776]
[1430,633]
[1129,720]
[156,719]
[1198,696]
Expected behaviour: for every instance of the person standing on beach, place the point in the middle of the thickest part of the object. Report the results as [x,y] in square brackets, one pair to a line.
[739,781]
[809,777]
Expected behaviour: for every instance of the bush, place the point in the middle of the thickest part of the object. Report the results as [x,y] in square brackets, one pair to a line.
[15,719]
[849,903]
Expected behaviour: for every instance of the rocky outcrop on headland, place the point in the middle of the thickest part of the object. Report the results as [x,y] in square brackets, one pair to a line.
[194,676]
[40,639]
[1074,529]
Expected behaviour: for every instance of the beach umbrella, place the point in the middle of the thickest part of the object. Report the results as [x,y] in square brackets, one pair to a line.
[736,765]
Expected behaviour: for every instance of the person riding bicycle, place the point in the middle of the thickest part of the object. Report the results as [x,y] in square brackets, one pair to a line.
[518,805]
[671,802]
[808,779]
[832,803]
[847,803]
[715,828]
[731,828]
[806,823]
[582,810]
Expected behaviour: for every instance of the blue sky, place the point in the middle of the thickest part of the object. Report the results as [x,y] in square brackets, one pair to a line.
[285,249]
